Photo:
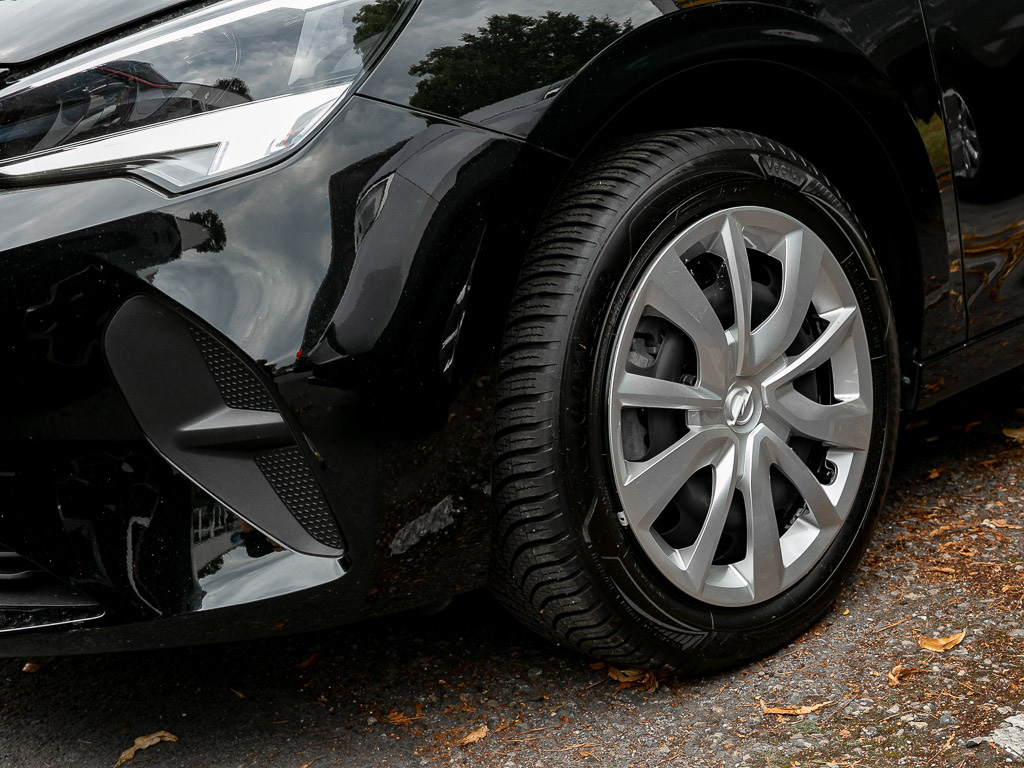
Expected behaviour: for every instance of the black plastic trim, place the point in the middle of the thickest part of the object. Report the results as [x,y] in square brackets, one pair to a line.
[187,400]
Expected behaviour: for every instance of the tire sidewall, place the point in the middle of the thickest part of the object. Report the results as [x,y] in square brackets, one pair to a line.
[689,191]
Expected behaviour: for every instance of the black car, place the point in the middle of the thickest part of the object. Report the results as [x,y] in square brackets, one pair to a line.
[316,310]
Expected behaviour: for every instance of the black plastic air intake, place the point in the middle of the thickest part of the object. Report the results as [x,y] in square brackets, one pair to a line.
[213,414]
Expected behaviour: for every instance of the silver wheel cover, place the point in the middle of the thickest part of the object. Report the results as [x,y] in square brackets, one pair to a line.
[743,409]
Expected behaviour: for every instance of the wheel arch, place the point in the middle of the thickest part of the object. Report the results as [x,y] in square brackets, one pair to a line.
[872,148]
[883,172]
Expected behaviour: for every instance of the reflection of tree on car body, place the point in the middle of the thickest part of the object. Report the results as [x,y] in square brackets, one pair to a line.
[509,56]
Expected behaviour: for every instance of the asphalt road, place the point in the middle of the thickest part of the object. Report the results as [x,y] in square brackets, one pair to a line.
[406,691]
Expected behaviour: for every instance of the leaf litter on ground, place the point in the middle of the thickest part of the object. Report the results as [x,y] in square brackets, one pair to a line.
[644,679]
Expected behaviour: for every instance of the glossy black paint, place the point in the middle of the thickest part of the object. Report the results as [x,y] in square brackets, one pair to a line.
[979,54]
[366,278]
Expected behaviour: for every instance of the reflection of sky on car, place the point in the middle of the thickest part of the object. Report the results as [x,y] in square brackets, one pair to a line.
[271,53]
[254,286]
[271,269]
[63,26]
[248,579]
[325,34]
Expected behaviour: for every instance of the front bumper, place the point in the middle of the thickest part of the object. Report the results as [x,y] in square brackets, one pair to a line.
[137,482]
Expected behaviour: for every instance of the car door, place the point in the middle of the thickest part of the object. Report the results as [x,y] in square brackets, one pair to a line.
[979,57]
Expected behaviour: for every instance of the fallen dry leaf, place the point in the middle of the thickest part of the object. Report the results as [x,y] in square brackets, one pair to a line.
[936,472]
[890,626]
[144,742]
[636,678]
[397,718]
[805,709]
[937,531]
[1001,524]
[1016,434]
[625,675]
[899,672]
[942,570]
[31,667]
[939,644]
[474,736]
[571,747]
[311,660]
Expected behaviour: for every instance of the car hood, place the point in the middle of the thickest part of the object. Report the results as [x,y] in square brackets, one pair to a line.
[30,29]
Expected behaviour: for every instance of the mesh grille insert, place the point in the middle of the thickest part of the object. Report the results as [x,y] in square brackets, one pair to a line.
[237,384]
[292,480]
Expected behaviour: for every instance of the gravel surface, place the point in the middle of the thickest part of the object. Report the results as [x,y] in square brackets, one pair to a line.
[948,557]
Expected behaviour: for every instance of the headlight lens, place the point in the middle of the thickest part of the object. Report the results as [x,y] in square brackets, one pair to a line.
[208,95]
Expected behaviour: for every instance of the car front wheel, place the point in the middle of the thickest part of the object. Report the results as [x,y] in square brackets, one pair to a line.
[697,404]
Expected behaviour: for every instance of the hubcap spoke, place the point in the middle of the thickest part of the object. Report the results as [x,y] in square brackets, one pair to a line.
[762,568]
[735,252]
[635,391]
[841,323]
[671,290]
[699,555]
[650,485]
[809,487]
[800,252]
[845,424]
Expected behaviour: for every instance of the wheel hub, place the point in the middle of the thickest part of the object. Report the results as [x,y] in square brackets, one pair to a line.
[740,405]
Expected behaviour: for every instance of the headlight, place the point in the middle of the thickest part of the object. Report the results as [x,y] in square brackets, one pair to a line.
[208,95]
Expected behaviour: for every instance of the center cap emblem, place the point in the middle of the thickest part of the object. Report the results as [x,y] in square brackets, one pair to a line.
[739,405]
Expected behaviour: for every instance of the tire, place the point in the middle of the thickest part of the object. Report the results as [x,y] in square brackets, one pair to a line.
[673,489]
